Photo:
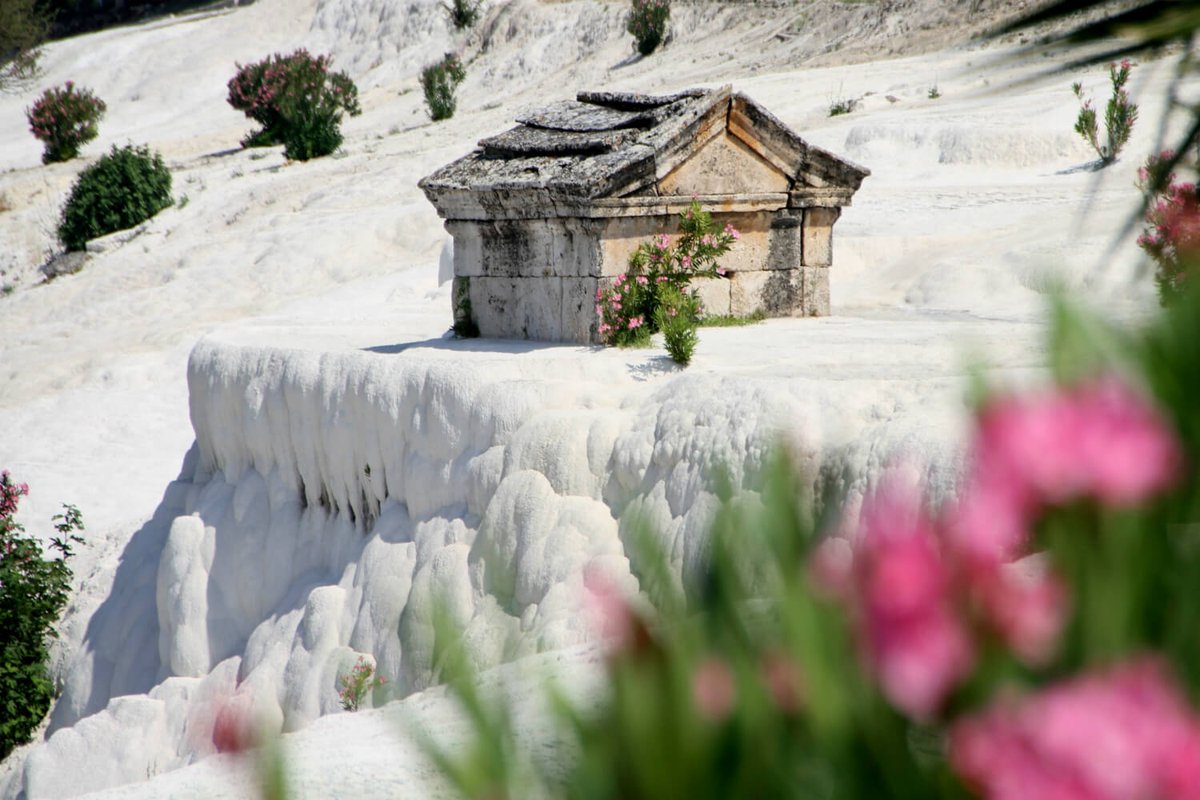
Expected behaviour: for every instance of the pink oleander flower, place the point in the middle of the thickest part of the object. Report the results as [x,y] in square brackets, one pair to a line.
[1026,603]
[605,328]
[1123,734]
[1098,439]
[713,689]
[10,494]
[642,280]
[990,523]
[915,642]
[636,322]
[732,231]
[662,241]
[686,262]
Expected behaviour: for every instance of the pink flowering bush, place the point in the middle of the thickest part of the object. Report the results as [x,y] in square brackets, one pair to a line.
[1119,115]
[298,102]
[647,21]
[1172,233]
[1034,635]
[354,686]
[655,288]
[34,588]
[64,120]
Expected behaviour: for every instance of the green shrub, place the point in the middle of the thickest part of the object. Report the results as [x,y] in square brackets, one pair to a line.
[647,21]
[64,120]
[676,316]
[33,591]
[440,81]
[126,186]
[462,13]
[298,102]
[1119,115]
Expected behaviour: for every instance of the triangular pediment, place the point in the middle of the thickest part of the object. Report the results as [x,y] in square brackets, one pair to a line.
[724,164]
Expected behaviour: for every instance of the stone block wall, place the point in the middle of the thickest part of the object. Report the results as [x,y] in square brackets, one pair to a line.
[537,278]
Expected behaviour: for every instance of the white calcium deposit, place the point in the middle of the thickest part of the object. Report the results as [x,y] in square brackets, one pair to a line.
[284,461]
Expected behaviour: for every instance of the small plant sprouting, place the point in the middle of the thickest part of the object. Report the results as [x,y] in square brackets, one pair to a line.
[731,320]
[843,106]
[1119,115]
[934,93]
[463,14]
[440,81]
[354,686]
[464,318]
[676,316]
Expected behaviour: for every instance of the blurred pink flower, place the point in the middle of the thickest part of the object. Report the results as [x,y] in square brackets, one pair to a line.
[608,611]
[1099,438]
[831,567]
[915,642]
[1124,734]
[233,728]
[989,524]
[1026,603]
[784,681]
[713,689]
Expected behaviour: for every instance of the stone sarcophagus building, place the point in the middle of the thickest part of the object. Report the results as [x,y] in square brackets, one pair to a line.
[546,213]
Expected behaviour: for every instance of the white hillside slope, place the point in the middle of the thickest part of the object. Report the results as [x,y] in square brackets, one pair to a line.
[282,459]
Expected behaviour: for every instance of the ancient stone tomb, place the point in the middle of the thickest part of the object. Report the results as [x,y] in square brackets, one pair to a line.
[544,214]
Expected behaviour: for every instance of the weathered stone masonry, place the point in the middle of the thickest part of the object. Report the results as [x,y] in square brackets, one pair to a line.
[547,212]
